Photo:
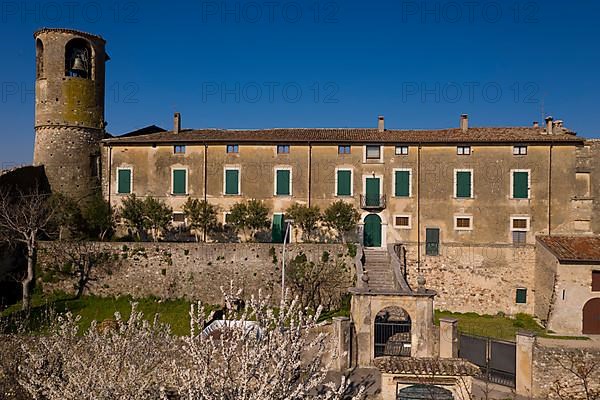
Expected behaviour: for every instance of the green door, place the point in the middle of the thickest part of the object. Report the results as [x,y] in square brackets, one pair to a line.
[277,231]
[372,231]
[372,195]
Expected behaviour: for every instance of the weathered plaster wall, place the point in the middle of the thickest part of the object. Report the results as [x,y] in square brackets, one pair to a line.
[573,288]
[475,278]
[491,165]
[198,271]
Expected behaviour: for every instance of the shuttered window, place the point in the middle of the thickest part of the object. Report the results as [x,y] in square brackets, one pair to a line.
[432,241]
[520,185]
[282,182]
[124,181]
[402,183]
[232,179]
[521,297]
[463,184]
[344,183]
[595,281]
[179,181]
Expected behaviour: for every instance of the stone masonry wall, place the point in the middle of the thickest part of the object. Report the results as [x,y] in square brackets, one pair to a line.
[196,271]
[474,278]
[551,358]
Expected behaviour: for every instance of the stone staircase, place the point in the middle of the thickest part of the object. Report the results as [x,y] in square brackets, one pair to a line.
[379,271]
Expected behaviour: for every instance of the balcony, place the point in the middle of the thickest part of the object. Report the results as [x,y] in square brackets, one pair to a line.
[370,202]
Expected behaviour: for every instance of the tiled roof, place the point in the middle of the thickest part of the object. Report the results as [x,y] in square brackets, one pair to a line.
[426,366]
[573,249]
[354,135]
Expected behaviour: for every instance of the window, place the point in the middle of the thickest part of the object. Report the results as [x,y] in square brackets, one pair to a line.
[401,150]
[520,224]
[283,149]
[180,149]
[521,297]
[178,217]
[432,241]
[463,223]
[519,238]
[520,150]
[519,227]
[343,184]
[463,150]
[283,182]
[179,184]
[344,149]
[520,182]
[373,152]
[463,183]
[595,281]
[227,218]
[232,181]
[402,178]
[233,148]
[402,221]
[124,180]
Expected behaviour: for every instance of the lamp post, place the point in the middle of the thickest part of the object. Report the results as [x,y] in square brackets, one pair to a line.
[288,226]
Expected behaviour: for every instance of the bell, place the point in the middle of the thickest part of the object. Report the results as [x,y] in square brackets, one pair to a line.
[78,66]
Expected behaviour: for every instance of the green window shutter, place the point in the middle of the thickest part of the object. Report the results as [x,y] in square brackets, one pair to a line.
[283,183]
[432,241]
[277,232]
[521,296]
[463,184]
[521,185]
[124,181]
[344,183]
[402,184]
[179,181]
[232,177]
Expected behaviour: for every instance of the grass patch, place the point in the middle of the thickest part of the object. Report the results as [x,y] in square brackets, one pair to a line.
[498,326]
[172,312]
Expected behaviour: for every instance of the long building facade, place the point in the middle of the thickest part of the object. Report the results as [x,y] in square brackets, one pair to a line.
[475,185]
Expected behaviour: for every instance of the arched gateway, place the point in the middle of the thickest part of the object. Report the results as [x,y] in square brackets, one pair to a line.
[392,332]
[422,392]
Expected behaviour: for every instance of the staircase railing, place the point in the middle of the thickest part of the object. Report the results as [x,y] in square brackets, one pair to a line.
[396,262]
[359,262]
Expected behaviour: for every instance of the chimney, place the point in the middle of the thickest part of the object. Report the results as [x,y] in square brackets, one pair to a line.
[549,125]
[176,123]
[536,124]
[464,122]
[381,124]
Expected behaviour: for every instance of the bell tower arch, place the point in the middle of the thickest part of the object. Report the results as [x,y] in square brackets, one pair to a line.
[69,109]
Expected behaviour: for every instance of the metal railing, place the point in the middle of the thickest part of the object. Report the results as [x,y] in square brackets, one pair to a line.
[369,202]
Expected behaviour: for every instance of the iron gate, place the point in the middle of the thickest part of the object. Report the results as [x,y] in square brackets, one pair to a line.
[496,358]
[392,339]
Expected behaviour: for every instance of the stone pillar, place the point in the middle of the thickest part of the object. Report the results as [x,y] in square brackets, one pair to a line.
[448,338]
[342,342]
[524,364]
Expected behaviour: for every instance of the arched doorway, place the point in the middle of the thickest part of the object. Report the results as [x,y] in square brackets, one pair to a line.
[422,392]
[591,317]
[392,332]
[372,231]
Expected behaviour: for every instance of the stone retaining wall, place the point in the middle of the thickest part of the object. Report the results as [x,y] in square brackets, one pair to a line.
[477,278]
[196,271]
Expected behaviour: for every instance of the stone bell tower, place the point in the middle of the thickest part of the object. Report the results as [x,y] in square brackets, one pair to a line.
[69,109]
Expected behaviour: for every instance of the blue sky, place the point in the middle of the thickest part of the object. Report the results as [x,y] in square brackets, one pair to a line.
[261,64]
